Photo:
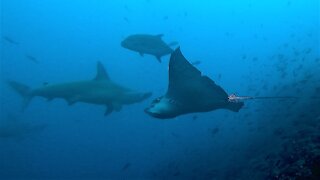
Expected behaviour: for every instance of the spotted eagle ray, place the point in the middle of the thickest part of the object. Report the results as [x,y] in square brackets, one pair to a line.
[189,92]
[101,90]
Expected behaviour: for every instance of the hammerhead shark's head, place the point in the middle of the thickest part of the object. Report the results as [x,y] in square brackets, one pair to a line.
[101,90]
[189,92]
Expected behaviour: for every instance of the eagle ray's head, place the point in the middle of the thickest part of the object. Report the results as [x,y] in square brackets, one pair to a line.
[163,108]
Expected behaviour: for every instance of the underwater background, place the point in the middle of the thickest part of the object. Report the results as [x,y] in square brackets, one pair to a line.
[251,48]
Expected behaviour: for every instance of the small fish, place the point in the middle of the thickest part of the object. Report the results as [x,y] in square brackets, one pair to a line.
[289,3]
[285,45]
[185,14]
[175,135]
[176,173]
[280,56]
[255,59]
[126,166]
[126,19]
[278,132]
[308,50]
[126,8]
[32,58]
[10,40]
[214,131]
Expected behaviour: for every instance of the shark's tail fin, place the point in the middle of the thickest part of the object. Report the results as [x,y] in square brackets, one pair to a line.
[23,90]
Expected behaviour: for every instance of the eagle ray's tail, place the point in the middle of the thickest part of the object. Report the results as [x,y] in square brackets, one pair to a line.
[235,98]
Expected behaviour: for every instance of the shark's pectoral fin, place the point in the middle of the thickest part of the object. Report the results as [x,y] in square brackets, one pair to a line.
[117,106]
[159,58]
[113,107]
[71,101]
[49,99]
[108,110]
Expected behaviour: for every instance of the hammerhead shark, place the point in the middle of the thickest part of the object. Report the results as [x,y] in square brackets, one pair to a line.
[100,90]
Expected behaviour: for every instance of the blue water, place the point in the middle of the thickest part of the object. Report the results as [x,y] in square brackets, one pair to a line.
[252,48]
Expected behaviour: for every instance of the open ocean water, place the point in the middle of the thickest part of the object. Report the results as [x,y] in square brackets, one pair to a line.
[268,50]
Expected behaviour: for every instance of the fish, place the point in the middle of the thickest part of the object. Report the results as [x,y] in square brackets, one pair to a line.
[177,173]
[148,44]
[214,131]
[10,40]
[32,58]
[101,90]
[126,166]
[126,19]
[189,92]
[175,135]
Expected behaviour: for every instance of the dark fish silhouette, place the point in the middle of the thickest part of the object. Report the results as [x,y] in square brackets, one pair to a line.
[32,58]
[214,131]
[100,90]
[10,40]
[189,92]
[126,166]
[126,19]
[148,44]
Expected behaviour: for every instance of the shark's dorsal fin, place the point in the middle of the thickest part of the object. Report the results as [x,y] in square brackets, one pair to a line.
[101,73]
